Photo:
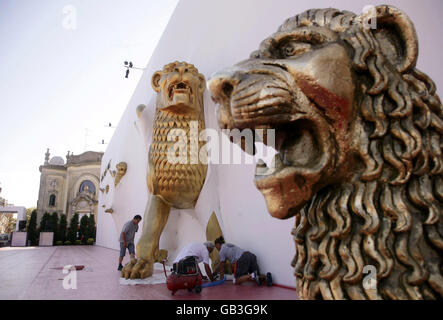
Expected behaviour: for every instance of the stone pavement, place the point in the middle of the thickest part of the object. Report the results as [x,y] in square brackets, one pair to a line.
[36,273]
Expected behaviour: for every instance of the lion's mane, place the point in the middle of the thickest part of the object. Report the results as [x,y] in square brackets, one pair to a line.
[390,215]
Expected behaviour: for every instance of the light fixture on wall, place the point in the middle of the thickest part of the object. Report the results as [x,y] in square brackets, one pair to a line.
[129,65]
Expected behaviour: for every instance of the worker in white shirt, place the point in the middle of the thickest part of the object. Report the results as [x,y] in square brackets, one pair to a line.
[201,253]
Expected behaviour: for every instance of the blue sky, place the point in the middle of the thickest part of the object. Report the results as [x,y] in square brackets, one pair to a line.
[62,78]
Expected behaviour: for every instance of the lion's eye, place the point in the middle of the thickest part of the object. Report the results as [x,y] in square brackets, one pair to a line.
[294,48]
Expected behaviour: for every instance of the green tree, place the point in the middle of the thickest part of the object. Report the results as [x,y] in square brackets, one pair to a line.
[91,227]
[62,228]
[28,213]
[44,225]
[83,234]
[32,228]
[54,225]
[73,228]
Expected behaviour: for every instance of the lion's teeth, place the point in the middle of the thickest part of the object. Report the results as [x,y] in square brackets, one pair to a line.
[261,170]
[261,163]
[276,163]
[278,160]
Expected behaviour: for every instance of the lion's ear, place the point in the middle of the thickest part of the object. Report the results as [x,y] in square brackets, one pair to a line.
[202,85]
[155,81]
[396,35]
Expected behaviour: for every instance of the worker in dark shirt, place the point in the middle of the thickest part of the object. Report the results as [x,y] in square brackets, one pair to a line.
[246,267]
[127,239]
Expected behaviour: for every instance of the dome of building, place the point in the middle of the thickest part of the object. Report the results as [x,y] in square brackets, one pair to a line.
[57,161]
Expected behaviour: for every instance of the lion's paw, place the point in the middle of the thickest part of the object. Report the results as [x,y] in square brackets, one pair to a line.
[141,270]
[126,271]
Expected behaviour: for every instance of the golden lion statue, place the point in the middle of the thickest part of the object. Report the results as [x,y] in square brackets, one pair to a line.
[359,163]
[172,182]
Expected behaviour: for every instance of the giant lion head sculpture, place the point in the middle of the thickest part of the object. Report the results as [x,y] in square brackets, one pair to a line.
[359,163]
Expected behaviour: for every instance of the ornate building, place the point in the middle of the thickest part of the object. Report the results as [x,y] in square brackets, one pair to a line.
[69,187]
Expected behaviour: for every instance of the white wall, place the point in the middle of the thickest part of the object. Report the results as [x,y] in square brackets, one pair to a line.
[213,35]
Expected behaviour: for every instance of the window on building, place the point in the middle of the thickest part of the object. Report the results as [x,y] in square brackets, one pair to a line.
[90,186]
[52,200]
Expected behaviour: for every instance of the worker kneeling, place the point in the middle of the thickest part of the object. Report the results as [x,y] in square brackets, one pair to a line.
[200,251]
[246,267]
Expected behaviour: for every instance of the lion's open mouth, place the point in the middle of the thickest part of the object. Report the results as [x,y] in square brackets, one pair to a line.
[297,144]
[301,149]
[267,99]
[179,88]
